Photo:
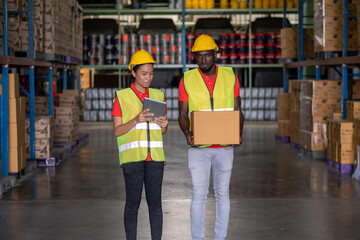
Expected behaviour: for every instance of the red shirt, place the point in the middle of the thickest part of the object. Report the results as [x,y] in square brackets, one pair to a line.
[116,107]
[210,82]
[117,110]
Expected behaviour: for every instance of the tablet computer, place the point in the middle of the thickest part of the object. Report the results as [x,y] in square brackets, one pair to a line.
[156,107]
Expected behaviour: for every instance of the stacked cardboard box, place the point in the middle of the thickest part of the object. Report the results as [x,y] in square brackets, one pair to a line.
[63,35]
[356,88]
[66,124]
[44,136]
[294,86]
[333,116]
[14,40]
[57,27]
[328,26]
[352,110]
[289,43]
[356,136]
[67,117]
[41,106]
[17,156]
[283,102]
[341,141]
[318,100]
[38,23]
[18,27]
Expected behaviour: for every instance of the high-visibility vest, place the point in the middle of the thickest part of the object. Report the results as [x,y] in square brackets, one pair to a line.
[199,95]
[145,137]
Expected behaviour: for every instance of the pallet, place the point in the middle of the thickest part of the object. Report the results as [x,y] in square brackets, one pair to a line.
[282,139]
[288,60]
[37,54]
[6,183]
[47,162]
[332,54]
[295,146]
[73,60]
[70,146]
[30,166]
[317,155]
[83,137]
[55,57]
[59,155]
[341,168]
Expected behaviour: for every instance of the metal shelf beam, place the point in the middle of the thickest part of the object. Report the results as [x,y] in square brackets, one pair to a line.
[178,66]
[215,11]
[354,60]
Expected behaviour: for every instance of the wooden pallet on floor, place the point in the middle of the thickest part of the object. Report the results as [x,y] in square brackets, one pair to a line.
[282,139]
[341,168]
[318,155]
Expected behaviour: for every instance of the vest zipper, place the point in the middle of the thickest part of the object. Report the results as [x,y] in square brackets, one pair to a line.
[148,135]
[212,104]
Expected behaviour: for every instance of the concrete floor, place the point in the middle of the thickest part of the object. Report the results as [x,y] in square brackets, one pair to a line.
[276,193]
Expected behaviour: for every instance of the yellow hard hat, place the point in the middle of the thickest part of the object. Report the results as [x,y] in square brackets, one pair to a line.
[140,57]
[204,43]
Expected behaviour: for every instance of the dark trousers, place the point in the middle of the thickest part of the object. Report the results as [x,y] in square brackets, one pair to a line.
[135,174]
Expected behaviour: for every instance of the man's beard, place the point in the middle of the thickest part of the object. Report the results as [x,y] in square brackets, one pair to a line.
[206,70]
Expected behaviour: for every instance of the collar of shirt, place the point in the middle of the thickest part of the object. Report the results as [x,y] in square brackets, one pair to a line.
[207,79]
[140,94]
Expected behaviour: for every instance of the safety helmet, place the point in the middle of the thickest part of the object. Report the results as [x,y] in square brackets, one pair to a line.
[204,43]
[140,57]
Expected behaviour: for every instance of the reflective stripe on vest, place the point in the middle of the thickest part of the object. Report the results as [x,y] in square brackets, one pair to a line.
[153,126]
[140,144]
[143,138]
[199,94]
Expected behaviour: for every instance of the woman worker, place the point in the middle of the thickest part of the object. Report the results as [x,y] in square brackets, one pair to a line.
[140,145]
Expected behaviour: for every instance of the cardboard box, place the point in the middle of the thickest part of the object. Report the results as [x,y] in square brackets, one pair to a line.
[44,127]
[43,148]
[64,121]
[215,127]
[312,141]
[14,159]
[283,102]
[328,7]
[343,131]
[352,110]
[41,101]
[284,127]
[65,111]
[41,110]
[289,43]
[71,138]
[71,92]
[23,108]
[14,110]
[64,132]
[22,156]
[14,90]
[345,153]
[14,135]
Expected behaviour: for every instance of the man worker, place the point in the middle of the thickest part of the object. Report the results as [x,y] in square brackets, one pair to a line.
[209,88]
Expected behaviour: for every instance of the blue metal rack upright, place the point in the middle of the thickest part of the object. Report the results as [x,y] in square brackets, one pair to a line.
[301,38]
[345,54]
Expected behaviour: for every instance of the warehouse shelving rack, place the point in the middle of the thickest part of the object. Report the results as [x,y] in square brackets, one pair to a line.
[116,10]
[345,61]
[30,63]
